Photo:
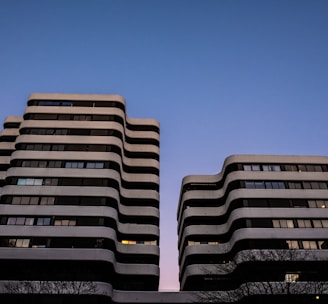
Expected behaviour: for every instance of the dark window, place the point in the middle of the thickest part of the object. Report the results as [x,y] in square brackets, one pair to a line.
[300,203]
[257,203]
[295,185]
[279,203]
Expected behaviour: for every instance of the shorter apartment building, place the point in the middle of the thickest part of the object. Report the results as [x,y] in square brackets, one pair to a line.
[260,226]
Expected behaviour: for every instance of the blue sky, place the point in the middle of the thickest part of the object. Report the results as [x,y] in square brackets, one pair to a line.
[222,77]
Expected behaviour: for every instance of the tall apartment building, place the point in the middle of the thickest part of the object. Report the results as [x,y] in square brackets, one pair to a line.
[79,197]
[260,226]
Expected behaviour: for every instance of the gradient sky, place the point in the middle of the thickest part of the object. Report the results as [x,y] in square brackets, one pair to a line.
[222,77]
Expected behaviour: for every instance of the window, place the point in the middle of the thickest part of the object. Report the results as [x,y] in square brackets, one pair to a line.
[307,185]
[99,132]
[34,163]
[60,131]
[28,221]
[55,103]
[40,243]
[254,185]
[54,164]
[257,203]
[51,182]
[43,221]
[271,168]
[291,277]
[150,243]
[43,147]
[192,243]
[25,200]
[279,203]
[317,168]
[81,117]
[74,165]
[309,245]
[315,185]
[264,185]
[278,185]
[304,224]
[57,148]
[299,203]
[47,200]
[320,223]
[295,185]
[318,204]
[95,165]
[79,132]
[257,167]
[292,168]
[29,181]
[65,222]
[252,167]
[128,242]
[282,223]
[301,168]
[21,243]
[292,244]
[42,164]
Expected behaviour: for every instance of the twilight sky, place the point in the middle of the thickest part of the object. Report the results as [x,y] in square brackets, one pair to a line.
[222,76]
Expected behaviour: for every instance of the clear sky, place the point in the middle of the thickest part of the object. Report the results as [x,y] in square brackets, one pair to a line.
[222,77]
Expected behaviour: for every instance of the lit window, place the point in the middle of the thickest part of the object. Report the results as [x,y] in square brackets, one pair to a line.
[292,244]
[309,245]
[128,242]
[283,224]
[21,243]
[291,277]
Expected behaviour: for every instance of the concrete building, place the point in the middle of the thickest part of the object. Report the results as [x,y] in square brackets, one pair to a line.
[261,222]
[79,214]
[79,198]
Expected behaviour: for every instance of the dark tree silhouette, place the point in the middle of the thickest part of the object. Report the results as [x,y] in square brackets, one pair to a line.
[51,287]
[290,286]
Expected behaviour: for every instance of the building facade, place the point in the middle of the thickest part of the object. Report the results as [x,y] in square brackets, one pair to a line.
[79,214]
[79,198]
[260,226]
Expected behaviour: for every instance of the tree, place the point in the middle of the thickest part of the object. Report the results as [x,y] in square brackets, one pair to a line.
[289,286]
[51,287]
